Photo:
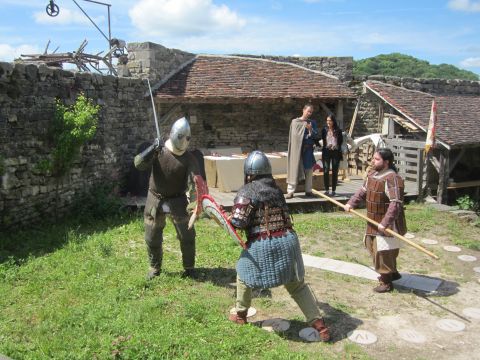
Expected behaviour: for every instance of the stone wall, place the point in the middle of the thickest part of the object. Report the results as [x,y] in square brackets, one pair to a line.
[27,103]
[156,61]
[339,66]
[152,60]
[431,86]
[262,126]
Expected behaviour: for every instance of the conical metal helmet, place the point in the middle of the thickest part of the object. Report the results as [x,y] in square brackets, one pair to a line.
[180,134]
[257,163]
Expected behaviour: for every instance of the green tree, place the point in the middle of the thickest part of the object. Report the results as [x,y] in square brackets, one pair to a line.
[397,64]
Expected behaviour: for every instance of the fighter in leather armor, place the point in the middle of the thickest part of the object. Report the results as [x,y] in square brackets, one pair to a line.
[273,256]
[174,171]
[383,191]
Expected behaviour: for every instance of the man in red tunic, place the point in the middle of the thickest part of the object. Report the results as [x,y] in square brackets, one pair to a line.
[383,191]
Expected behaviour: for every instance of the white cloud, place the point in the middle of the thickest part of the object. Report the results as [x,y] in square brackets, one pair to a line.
[9,52]
[66,17]
[471,62]
[464,5]
[183,17]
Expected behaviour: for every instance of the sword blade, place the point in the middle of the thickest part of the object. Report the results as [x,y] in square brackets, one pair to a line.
[154,111]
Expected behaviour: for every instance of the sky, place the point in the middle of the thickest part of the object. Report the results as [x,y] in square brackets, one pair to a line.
[438,31]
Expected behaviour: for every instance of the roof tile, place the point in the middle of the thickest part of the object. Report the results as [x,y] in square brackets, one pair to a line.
[230,77]
[458,115]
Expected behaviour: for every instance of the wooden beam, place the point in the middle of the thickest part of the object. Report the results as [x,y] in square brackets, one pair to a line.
[463,184]
[420,174]
[354,118]
[436,164]
[442,192]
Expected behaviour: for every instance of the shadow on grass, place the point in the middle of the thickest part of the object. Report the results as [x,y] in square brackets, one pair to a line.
[339,322]
[41,239]
[225,277]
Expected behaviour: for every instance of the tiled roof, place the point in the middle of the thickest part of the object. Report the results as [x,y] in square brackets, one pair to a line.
[210,78]
[458,115]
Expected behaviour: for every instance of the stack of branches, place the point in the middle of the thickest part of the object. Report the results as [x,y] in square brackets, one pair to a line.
[83,61]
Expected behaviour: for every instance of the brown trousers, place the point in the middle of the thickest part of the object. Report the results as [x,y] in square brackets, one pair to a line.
[385,261]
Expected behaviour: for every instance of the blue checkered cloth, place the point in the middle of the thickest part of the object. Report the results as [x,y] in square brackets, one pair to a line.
[271,262]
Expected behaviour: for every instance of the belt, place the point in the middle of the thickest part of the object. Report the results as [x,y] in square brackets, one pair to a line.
[163,197]
[267,234]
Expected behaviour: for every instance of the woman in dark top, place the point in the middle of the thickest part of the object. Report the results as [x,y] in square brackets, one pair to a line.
[331,152]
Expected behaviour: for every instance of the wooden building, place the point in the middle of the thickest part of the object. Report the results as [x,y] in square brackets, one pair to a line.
[455,161]
[247,102]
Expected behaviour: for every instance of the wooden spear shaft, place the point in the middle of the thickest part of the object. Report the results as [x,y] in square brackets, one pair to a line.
[388,231]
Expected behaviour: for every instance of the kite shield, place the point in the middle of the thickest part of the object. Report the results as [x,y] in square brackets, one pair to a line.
[214,212]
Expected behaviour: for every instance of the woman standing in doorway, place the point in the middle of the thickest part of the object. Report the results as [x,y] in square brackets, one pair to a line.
[332,139]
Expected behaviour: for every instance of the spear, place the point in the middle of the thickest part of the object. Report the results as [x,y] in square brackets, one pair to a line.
[388,231]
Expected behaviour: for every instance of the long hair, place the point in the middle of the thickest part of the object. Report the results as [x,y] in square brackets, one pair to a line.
[334,119]
[387,155]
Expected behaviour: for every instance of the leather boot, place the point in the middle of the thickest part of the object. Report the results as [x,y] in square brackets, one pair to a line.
[189,273]
[322,329]
[396,276]
[385,283]
[240,317]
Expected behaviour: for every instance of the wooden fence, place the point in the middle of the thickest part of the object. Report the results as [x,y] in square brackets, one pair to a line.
[409,160]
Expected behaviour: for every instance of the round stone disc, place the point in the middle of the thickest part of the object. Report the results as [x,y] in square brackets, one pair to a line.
[363,337]
[477,269]
[251,311]
[452,248]
[409,235]
[412,336]
[473,313]
[450,325]
[276,324]
[468,258]
[309,334]
[429,241]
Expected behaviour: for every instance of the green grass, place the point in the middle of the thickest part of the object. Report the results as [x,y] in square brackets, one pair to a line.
[78,291]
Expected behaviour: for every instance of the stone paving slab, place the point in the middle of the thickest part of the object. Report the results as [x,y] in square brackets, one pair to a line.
[341,267]
[410,281]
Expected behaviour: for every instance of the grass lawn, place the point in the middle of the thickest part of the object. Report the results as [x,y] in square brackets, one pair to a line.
[71,291]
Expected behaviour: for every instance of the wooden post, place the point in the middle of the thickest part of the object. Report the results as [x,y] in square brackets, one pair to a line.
[354,118]
[443,176]
[420,170]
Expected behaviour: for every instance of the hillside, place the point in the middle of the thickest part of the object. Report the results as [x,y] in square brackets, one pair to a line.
[397,64]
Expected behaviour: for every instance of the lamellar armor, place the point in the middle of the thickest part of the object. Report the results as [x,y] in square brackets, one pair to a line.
[273,256]
[383,189]
[260,220]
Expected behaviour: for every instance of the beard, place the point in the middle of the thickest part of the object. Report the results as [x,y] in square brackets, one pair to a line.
[378,167]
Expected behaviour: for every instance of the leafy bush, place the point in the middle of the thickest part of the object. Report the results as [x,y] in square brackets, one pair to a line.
[467,203]
[72,127]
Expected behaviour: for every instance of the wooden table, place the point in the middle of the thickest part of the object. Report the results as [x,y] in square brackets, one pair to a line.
[226,172]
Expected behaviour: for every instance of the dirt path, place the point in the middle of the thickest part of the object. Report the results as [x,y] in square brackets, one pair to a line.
[407,324]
